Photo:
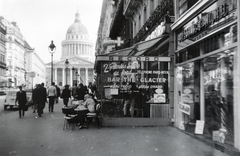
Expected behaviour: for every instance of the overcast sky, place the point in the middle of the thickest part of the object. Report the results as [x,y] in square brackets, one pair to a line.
[41,21]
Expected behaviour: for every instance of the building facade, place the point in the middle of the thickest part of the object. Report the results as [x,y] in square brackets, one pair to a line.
[34,66]
[3,31]
[20,59]
[201,39]
[207,69]
[77,49]
[136,60]
[15,53]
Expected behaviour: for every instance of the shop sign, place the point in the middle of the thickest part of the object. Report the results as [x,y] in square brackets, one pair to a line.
[211,16]
[32,74]
[126,75]
[133,58]
[184,108]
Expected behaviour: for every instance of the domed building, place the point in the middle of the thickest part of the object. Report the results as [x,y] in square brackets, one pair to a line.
[77,50]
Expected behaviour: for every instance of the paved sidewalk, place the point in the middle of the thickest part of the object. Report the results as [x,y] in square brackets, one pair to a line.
[30,136]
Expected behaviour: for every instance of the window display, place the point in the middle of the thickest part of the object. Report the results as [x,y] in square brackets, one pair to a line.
[133,85]
[218,87]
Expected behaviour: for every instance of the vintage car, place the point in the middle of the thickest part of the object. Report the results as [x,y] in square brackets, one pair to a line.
[11,97]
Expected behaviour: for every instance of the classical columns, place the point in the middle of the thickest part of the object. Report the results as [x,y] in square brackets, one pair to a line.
[86,76]
[63,76]
[79,80]
[55,75]
[71,76]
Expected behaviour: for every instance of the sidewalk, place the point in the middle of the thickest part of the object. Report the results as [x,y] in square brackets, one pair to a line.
[222,147]
[30,136]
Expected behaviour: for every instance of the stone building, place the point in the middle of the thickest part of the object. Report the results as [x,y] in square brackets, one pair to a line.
[77,50]
[3,32]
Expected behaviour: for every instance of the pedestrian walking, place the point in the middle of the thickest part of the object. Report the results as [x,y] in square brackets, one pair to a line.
[52,94]
[34,98]
[45,91]
[81,92]
[66,94]
[41,99]
[58,93]
[21,98]
[74,91]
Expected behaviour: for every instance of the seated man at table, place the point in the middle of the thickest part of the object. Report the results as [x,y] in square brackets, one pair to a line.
[87,106]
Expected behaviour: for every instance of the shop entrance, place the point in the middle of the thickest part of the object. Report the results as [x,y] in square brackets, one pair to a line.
[188,78]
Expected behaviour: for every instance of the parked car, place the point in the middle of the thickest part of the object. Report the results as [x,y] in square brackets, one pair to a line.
[11,97]
[2,92]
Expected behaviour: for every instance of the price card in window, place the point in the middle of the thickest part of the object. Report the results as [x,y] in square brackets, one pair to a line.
[199,127]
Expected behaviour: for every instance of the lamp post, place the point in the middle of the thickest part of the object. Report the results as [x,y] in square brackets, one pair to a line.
[66,64]
[52,49]
[73,69]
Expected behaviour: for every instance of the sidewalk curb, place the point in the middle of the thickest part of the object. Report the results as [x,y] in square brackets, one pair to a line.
[225,149]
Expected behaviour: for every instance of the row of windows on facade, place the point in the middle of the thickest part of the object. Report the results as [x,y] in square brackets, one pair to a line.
[142,18]
[2,58]
[2,37]
[76,37]
[13,46]
[2,71]
[18,63]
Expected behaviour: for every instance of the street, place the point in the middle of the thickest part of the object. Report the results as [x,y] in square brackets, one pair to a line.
[44,136]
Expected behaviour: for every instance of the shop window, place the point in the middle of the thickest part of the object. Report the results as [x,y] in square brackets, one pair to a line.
[218,93]
[131,87]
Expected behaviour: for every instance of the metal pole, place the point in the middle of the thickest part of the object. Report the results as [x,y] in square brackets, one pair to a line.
[52,69]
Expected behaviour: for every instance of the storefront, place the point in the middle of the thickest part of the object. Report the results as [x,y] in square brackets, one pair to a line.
[207,73]
[134,90]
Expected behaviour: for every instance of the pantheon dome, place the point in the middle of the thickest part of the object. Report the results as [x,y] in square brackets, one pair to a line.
[77,41]
[77,27]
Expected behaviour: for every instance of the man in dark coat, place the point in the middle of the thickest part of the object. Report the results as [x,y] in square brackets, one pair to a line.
[58,93]
[81,92]
[45,89]
[21,98]
[66,95]
[41,99]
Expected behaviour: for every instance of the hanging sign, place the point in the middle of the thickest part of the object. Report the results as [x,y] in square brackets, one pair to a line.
[184,108]
[32,74]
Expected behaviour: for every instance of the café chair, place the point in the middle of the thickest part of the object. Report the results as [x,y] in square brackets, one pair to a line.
[94,116]
[69,119]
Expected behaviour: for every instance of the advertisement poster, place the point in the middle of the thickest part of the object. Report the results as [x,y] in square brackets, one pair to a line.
[159,98]
[187,98]
[184,108]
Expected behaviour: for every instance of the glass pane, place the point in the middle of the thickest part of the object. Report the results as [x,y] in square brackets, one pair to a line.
[130,87]
[218,88]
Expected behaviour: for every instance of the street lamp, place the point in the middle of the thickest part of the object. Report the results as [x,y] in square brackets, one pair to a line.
[52,49]
[73,69]
[66,64]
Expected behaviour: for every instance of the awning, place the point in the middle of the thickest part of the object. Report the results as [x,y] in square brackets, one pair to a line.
[138,49]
